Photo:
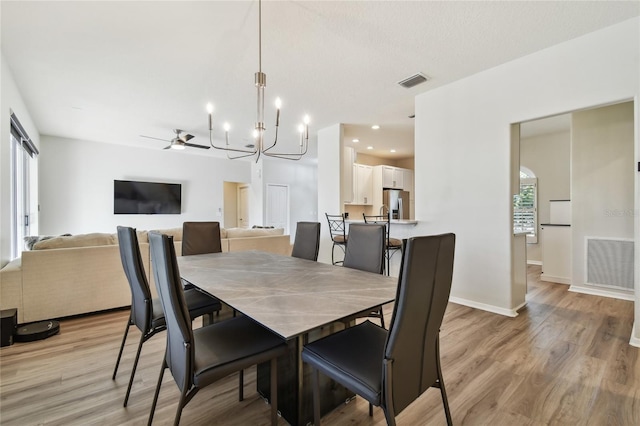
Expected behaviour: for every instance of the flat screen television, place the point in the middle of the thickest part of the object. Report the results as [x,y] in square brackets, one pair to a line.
[131,197]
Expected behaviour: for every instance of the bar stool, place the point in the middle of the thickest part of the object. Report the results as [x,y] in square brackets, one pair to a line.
[392,245]
[338,234]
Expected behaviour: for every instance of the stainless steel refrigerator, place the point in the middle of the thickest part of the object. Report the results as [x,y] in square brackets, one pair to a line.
[397,201]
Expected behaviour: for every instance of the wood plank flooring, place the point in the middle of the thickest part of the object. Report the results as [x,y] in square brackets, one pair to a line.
[565,360]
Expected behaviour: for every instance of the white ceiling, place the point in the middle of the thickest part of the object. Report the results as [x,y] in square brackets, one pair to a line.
[112,71]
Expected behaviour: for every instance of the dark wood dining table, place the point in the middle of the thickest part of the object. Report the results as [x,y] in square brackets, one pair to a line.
[297,299]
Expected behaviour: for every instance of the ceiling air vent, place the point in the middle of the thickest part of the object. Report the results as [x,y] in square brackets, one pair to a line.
[413,80]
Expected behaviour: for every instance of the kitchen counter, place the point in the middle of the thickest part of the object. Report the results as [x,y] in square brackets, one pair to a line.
[393,221]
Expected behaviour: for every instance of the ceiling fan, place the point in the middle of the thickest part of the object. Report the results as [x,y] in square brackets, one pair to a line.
[180,141]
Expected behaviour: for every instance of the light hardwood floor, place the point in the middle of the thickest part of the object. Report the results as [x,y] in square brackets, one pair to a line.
[564,360]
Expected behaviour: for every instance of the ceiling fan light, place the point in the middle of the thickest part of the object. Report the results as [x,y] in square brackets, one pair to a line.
[177,145]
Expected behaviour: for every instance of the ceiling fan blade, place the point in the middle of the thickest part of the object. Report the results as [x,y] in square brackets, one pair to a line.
[197,146]
[158,139]
[167,147]
[187,137]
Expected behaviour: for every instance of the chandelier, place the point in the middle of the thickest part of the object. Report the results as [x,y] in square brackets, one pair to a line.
[259,147]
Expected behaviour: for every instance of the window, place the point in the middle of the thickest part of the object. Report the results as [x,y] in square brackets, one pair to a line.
[23,153]
[525,215]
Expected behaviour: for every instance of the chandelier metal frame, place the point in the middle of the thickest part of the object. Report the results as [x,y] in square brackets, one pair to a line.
[259,147]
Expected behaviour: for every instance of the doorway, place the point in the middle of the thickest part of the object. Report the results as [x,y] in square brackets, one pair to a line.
[278,206]
[243,206]
[584,162]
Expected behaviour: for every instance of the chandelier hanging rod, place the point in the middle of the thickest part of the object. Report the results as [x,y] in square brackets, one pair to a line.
[258,147]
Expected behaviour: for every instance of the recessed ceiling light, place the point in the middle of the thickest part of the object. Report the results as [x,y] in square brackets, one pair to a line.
[355,140]
[369,147]
[393,150]
[375,127]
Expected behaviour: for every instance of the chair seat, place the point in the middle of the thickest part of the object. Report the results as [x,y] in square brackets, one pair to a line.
[340,356]
[394,242]
[339,239]
[200,303]
[228,346]
[157,315]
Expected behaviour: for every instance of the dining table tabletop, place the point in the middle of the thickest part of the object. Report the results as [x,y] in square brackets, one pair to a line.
[287,295]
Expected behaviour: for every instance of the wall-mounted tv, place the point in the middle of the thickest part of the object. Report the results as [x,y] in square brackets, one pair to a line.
[131,197]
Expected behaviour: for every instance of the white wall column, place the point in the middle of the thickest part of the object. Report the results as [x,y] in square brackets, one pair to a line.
[329,178]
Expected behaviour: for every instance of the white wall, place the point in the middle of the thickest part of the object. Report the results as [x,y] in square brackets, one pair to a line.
[548,156]
[462,149]
[602,179]
[11,100]
[329,179]
[76,184]
[302,178]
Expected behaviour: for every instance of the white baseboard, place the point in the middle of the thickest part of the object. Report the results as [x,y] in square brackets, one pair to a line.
[485,307]
[634,341]
[552,279]
[602,292]
[534,262]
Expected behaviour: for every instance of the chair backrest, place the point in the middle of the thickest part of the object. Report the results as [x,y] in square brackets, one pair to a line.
[179,354]
[336,226]
[141,305]
[307,241]
[365,248]
[380,220]
[201,238]
[412,344]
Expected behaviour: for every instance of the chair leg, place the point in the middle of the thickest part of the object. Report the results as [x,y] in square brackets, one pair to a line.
[274,391]
[445,403]
[133,371]
[443,391]
[381,317]
[124,339]
[316,396]
[181,404]
[241,385]
[370,410]
[155,396]
[332,251]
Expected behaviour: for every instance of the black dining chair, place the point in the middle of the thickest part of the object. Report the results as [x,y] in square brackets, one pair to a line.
[338,233]
[392,245]
[365,251]
[146,311]
[307,241]
[201,238]
[390,369]
[200,357]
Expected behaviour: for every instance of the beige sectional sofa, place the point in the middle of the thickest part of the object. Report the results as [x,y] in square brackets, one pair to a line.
[80,274]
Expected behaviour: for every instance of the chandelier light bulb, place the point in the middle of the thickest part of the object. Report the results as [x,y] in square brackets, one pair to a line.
[210,108]
[300,128]
[306,120]
[278,103]
[227,127]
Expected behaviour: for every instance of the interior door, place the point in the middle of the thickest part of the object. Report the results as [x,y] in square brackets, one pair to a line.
[243,206]
[278,206]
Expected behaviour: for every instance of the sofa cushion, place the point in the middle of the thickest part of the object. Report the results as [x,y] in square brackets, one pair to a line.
[82,240]
[31,240]
[246,233]
[176,233]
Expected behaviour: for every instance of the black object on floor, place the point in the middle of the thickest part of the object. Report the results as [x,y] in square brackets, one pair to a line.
[8,323]
[36,331]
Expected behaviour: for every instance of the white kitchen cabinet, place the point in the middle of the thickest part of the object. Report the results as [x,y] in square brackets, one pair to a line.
[392,177]
[362,184]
